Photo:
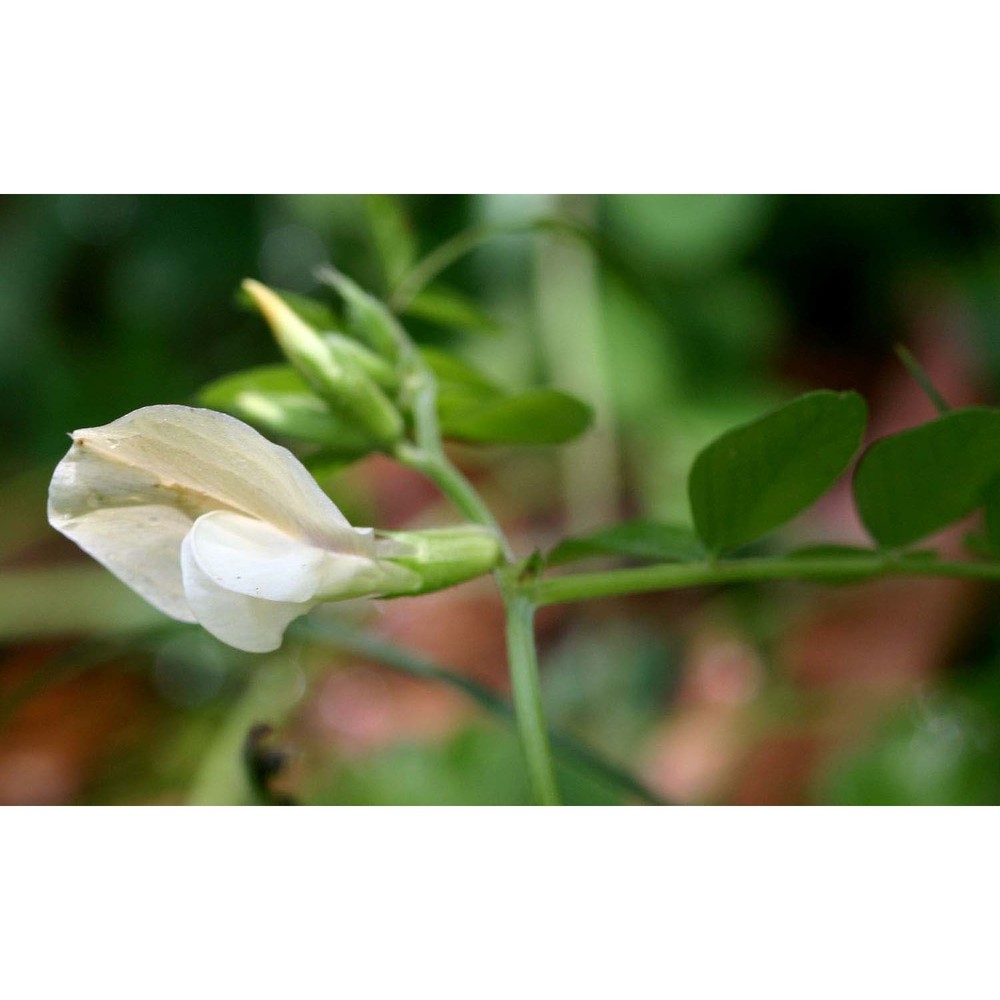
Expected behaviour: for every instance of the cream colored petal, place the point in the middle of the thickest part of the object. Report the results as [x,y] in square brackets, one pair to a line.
[204,460]
[117,515]
[141,546]
[248,623]
[256,559]
[344,576]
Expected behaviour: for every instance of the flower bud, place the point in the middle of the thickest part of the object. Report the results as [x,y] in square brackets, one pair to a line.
[350,352]
[440,557]
[368,317]
[339,380]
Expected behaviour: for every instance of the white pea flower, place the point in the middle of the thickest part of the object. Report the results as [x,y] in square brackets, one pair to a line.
[212,523]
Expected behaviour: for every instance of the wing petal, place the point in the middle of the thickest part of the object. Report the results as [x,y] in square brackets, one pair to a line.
[248,623]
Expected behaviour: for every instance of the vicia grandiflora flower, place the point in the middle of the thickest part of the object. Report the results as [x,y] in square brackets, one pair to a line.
[212,523]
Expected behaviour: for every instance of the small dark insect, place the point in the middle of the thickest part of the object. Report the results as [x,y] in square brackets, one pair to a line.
[264,763]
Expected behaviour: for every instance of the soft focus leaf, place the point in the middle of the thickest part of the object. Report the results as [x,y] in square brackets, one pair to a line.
[276,378]
[754,478]
[452,372]
[276,399]
[537,416]
[317,314]
[473,408]
[76,598]
[448,308]
[394,240]
[978,543]
[831,552]
[461,388]
[636,539]
[456,399]
[689,231]
[912,484]
[991,516]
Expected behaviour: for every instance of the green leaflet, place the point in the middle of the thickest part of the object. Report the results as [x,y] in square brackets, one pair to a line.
[393,235]
[473,408]
[453,374]
[651,540]
[991,512]
[754,478]
[276,399]
[914,483]
[447,308]
[535,416]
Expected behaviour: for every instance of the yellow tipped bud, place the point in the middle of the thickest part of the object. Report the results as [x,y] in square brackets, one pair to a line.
[293,334]
[333,375]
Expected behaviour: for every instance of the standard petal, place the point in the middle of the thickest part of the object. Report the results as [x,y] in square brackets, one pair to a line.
[207,460]
[118,515]
[248,623]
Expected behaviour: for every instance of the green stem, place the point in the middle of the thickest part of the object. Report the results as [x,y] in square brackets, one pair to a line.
[454,486]
[527,694]
[463,242]
[922,379]
[222,778]
[437,261]
[426,454]
[521,653]
[672,576]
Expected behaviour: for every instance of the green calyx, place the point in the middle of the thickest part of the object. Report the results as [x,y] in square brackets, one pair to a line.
[441,557]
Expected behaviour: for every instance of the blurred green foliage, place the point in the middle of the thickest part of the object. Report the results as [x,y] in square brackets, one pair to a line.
[711,310]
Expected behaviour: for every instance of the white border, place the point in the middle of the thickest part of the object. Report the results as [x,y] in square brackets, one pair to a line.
[786,902]
[441,97]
